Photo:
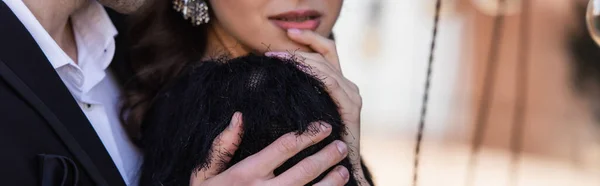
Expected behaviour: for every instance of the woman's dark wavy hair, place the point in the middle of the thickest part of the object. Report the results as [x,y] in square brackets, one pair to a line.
[162,44]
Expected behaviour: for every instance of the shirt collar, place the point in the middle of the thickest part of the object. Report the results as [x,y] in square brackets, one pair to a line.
[94,30]
[91,23]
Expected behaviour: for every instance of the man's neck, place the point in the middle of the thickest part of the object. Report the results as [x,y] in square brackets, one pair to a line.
[54,17]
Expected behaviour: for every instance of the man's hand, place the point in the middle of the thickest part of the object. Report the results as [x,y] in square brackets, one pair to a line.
[258,168]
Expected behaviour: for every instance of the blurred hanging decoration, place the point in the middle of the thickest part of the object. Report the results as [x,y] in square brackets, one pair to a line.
[522,84]
[372,39]
[492,7]
[421,129]
[522,79]
[593,19]
[483,111]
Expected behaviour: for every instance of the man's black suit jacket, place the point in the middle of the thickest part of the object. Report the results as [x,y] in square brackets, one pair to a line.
[45,139]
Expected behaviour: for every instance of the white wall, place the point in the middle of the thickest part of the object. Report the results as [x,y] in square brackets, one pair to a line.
[392,79]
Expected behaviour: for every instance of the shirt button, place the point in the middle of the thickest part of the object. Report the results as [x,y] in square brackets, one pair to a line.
[87,106]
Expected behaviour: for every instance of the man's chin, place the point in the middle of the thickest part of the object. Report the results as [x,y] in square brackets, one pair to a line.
[123,6]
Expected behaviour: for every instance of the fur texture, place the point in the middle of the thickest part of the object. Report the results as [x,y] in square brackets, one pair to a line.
[275,96]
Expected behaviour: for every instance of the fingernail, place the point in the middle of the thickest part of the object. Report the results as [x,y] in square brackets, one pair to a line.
[294,31]
[325,127]
[234,121]
[273,53]
[341,146]
[283,55]
[343,172]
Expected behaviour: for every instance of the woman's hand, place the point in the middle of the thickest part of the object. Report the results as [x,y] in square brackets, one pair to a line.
[326,66]
[258,168]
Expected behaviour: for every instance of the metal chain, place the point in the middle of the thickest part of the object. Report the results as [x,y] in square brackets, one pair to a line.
[421,128]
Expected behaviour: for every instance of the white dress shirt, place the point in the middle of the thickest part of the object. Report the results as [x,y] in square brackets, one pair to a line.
[89,80]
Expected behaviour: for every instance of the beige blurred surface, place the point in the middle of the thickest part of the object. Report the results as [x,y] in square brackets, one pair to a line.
[446,164]
[388,63]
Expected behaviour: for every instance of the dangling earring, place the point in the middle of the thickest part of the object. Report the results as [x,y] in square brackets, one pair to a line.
[195,9]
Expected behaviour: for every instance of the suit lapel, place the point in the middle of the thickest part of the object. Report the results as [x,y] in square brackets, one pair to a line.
[28,70]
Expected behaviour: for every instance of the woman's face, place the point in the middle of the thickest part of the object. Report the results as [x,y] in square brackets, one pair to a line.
[261,24]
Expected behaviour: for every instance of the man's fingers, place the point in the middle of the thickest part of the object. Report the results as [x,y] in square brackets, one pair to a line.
[223,148]
[225,145]
[284,148]
[339,176]
[311,167]
[318,43]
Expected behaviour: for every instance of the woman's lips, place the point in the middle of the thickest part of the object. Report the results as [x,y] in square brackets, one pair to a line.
[304,25]
[298,19]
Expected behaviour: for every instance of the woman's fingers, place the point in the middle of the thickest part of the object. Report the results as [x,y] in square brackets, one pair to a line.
[318,43]
[339,87]
[327,49]
[339,176]
[325,66]
[322,69]
[223,148]
[285,147]
[311,167]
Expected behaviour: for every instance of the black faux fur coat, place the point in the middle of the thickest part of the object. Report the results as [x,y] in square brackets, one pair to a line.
[274,95]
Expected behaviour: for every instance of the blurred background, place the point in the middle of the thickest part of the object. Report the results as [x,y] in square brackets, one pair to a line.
[384,48]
